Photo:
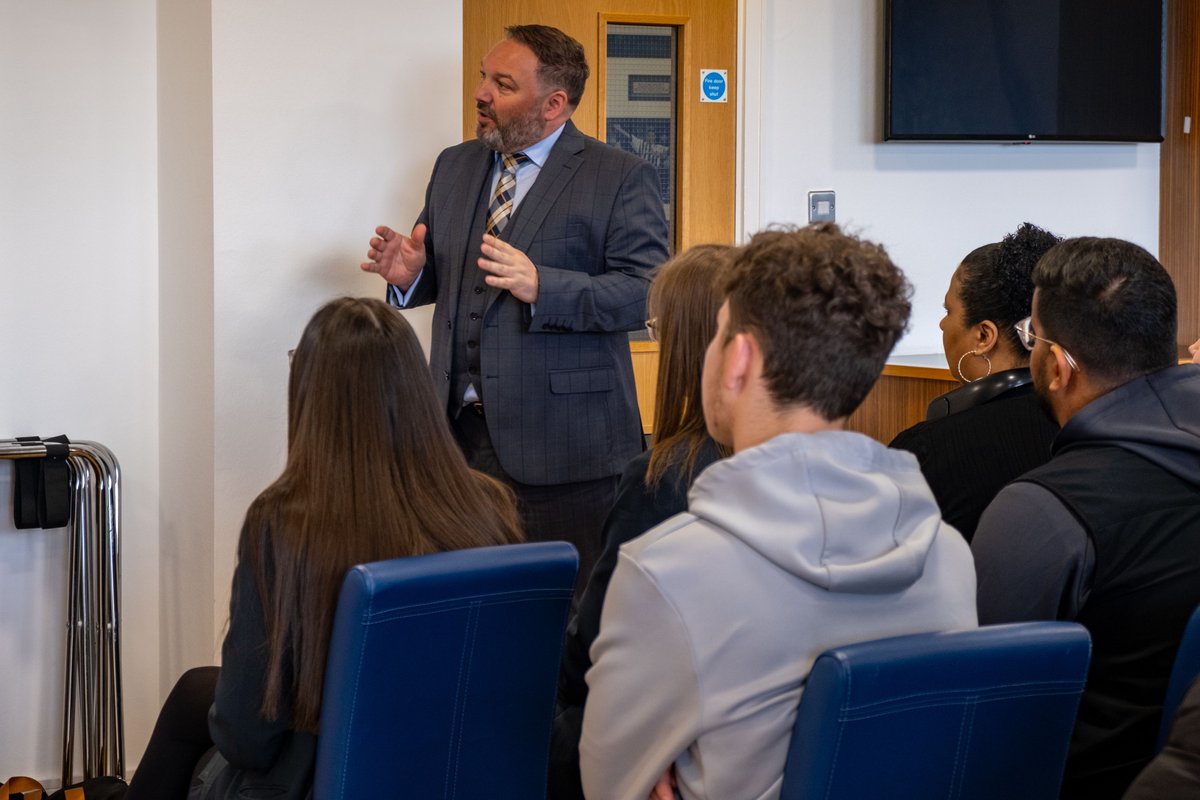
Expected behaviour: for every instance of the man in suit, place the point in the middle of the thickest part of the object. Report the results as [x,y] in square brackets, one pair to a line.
[536,243]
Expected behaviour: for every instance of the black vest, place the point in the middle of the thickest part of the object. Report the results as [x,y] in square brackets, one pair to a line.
[1144,523]
[472,302]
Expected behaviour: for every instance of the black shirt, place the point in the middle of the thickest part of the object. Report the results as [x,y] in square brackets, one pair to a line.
[968,456]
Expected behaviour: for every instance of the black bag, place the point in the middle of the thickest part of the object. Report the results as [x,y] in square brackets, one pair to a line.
[289,778]
[107,787]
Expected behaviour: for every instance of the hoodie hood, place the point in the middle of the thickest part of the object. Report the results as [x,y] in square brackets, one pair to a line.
[835,509]
[1156,416]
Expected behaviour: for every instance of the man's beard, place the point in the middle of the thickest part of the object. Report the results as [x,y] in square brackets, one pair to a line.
[513,134]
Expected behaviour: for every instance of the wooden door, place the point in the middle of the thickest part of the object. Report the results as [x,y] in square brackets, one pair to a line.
[1179,186]
[703,172]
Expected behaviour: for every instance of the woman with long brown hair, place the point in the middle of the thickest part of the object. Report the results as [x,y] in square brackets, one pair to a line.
[372,473]
[682,308]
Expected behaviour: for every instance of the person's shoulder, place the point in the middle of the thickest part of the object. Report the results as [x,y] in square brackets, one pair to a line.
[1023,510]
[637,466]
[915,439]
[665,540]
[469,151]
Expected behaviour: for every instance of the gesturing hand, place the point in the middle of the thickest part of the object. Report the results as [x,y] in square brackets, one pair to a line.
[397,258]
[510,269]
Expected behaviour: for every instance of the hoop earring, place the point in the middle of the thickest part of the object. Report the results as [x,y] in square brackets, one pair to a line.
[958,368]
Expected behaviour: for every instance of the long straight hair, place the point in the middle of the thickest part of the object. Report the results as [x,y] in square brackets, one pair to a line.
[372,473]
[685,298]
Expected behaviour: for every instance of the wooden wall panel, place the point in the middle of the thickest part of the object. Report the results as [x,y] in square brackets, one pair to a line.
[1179,185]
[897,401]
[645,378]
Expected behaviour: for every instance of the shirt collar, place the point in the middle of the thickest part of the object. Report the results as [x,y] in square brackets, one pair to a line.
[538,153]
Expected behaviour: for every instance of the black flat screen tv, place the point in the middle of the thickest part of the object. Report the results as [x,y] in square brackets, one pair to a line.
[1024,70]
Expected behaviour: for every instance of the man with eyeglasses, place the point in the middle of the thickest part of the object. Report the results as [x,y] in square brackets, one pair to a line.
[1107,533]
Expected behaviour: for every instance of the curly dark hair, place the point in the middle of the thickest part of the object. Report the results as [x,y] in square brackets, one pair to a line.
[996,283]
[1110,304]
[561,60]
[826,308]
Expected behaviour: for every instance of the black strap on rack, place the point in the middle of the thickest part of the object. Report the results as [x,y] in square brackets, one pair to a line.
[26,477]
[42,486]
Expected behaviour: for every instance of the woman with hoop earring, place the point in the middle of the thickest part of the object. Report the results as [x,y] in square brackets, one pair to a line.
[980,436]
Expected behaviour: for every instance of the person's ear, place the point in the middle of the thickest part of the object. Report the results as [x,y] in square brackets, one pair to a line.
[1062,375]
[739,361]
[554,104]
[987,337]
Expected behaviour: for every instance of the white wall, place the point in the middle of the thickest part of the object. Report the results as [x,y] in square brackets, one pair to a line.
[929,204]
[326,120]
[289,130]
[185,208]
[78,331]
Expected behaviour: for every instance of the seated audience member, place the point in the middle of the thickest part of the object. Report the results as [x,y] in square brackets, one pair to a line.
[1175,772]
[806,538]
[1194,349]
[372,473]
[682,306]
[980,436]
[1105,533]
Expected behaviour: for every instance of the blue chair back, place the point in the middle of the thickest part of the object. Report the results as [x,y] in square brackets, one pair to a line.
[1185,670]
[978,714]
[442,674]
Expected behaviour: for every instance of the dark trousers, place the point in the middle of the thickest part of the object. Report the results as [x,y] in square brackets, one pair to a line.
[179,739]
[572,512]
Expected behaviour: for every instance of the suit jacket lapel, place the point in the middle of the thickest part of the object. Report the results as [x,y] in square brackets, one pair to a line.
[561,165]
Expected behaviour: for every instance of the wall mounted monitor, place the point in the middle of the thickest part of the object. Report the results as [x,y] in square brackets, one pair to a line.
[1025,70]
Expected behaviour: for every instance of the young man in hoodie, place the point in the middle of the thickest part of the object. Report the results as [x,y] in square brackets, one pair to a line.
[1107,533]
[807,538]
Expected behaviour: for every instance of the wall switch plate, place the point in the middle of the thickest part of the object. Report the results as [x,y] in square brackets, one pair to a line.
[821,207]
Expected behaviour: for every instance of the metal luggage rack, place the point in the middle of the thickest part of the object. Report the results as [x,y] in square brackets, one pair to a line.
[93,654]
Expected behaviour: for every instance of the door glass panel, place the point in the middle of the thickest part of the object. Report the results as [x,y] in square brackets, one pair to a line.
[640,101]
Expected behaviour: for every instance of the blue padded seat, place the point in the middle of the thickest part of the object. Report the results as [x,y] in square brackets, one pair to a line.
[1183,672]
[978,714]
[442,675]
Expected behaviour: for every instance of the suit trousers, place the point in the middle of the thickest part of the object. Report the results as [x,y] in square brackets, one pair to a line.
[571,512]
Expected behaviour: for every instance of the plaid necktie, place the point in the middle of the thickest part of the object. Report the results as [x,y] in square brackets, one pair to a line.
[502,199]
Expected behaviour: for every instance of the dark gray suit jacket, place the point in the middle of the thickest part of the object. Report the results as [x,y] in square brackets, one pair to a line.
[557,385]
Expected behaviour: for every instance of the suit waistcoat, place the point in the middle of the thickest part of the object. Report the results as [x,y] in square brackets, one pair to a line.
[472,304]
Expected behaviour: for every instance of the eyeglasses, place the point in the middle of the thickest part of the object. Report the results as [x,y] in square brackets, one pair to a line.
[1029,338]
[652,328]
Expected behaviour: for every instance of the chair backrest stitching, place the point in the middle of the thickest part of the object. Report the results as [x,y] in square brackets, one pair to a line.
[464,669]
[965,732]
[359,665]
[841,730]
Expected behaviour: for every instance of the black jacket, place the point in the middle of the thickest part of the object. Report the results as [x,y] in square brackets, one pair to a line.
[969,455]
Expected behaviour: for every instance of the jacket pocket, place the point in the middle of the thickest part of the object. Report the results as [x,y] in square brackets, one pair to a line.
[578,381]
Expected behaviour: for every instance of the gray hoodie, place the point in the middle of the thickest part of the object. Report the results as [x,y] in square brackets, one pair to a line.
[714,618]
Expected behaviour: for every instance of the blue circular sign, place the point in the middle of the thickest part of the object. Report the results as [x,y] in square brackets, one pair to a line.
[714,86]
